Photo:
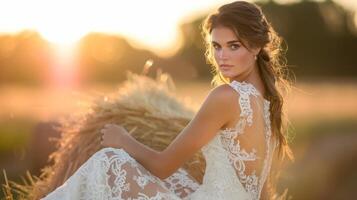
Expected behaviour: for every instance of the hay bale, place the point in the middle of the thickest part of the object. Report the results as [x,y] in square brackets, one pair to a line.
[146,107]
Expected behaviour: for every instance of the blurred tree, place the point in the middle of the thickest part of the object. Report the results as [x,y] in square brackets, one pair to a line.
[23,58]
[320,44]
[321,38]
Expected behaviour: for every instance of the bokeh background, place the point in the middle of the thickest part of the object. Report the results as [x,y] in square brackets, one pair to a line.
[55,56]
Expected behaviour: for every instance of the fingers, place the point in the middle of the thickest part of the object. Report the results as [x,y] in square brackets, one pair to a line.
[103,131]
[101,138]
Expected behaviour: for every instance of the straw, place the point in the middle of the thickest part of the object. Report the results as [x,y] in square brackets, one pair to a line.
[147,108]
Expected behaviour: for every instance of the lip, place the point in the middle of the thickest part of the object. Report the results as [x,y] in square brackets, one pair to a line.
[225,66]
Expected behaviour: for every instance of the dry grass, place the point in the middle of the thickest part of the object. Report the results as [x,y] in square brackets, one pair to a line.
[145,107]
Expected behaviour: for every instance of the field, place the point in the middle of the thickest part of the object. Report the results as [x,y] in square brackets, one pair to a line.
[323,131]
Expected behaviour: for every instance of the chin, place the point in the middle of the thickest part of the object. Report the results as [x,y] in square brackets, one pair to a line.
[228,75]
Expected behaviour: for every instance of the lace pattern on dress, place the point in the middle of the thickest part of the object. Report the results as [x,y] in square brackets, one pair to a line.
[125,176]
[237,154]
[245,89]
[113,174]
[268,156]
[180,183]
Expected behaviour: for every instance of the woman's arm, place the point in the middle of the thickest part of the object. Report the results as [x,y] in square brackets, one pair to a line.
[219,107]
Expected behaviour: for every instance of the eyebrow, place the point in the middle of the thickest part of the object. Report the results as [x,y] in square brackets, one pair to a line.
[229,42]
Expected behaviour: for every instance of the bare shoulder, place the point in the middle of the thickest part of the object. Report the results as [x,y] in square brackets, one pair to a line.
[224,99]
[223,93]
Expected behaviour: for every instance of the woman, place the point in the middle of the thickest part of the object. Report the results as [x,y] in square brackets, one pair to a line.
[238,127]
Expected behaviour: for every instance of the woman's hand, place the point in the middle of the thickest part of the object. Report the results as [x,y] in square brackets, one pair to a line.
[113,135]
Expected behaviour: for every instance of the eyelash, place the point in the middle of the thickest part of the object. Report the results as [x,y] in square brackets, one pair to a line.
[232,46]
[236,46]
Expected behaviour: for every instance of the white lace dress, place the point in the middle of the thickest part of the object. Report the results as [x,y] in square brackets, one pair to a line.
[238,162]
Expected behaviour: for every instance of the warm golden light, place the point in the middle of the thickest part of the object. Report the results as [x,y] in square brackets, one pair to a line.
[147,24]
[64,68]
[55,36]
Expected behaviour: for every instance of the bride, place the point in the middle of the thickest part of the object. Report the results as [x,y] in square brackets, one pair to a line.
[239,127]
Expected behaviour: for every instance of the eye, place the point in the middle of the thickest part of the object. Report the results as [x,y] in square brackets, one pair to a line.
[234,46]
[216,46]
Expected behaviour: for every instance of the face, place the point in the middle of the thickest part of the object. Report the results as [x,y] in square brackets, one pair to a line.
[233,60]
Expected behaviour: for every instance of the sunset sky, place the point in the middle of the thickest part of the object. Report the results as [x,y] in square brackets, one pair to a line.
[147,24]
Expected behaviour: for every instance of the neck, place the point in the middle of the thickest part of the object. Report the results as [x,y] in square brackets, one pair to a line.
[253,77]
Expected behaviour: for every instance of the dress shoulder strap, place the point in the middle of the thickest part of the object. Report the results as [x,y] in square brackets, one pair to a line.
[245,90]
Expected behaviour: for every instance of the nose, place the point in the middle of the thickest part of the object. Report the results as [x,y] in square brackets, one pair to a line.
[222,54]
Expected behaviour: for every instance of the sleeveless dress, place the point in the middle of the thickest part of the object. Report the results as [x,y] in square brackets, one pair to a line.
[238,161]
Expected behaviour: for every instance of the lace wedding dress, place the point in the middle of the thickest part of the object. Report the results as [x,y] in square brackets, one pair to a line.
[238,162]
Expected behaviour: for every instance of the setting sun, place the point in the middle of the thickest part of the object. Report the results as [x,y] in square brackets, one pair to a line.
[153,25]
[147,24]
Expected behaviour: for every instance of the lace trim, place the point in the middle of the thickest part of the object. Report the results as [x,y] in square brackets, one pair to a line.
[267,119]
[113,174]
[118,181]
[245,89]
[268,157]
[180,184]
[238,155]
[158,196]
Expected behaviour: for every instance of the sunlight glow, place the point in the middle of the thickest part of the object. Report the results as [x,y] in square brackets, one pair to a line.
[64,68]
[153,25]
[147,24]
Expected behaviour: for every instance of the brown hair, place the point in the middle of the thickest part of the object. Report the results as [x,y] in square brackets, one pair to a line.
[249,24]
